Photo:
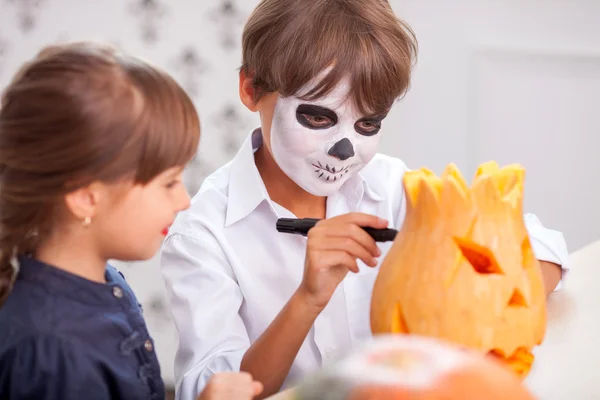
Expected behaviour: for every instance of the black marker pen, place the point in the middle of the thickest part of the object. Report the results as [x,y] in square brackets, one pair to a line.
[301,226]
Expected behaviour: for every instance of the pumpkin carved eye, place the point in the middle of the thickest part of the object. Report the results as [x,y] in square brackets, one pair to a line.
[517,299]
[481,259]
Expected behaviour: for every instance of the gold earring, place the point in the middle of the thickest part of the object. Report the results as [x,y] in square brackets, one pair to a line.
[87,221]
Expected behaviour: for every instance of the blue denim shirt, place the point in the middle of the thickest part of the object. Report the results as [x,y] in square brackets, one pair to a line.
[65,337]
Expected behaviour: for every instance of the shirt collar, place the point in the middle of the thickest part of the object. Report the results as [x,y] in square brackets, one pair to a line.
[247,189]
[69,285]
[374,186]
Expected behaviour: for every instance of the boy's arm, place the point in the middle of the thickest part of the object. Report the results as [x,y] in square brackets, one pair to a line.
[333,247]
[552,274]
[550,248]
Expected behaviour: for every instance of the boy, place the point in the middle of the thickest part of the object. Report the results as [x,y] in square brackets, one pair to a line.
[322,75]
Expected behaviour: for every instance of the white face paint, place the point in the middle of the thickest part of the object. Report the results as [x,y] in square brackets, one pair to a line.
[321,144]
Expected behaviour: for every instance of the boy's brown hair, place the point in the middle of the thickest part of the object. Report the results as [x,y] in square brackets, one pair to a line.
[288,43]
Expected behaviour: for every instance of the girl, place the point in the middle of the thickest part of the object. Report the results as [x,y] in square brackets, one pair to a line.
[92,149]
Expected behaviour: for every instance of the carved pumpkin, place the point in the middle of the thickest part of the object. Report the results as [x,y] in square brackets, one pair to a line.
[462,267]
[411,367]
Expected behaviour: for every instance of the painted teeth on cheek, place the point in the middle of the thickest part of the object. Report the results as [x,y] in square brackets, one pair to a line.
[333,173]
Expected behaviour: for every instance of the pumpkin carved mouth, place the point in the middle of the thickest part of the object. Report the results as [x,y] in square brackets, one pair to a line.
[520,361]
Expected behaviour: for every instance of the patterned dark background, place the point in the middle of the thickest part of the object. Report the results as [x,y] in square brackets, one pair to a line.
[198,42]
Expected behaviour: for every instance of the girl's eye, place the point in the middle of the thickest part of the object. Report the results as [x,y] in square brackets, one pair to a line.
[171,184]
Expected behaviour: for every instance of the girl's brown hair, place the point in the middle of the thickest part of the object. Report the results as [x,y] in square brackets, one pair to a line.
[75,114]
[288,43]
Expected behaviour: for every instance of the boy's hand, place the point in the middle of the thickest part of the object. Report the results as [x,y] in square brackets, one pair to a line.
[231,386]
[333,247]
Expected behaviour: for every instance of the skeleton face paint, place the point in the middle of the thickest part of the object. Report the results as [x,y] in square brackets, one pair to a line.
[321,144]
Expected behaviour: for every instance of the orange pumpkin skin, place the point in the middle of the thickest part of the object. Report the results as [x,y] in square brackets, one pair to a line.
[462,267]
[409,367]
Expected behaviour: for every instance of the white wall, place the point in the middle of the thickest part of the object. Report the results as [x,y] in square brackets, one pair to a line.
[510,80]
[514,81]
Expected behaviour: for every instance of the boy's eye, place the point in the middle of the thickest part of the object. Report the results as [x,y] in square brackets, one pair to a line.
[317,121]
[315,117]
[367,128]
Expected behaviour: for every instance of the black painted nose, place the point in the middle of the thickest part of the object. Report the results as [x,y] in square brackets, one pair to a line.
[342,149]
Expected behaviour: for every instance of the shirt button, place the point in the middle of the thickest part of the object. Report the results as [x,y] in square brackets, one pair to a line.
[117,292]
[148,346]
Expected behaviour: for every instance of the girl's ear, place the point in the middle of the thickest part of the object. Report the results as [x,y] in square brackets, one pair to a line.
[83,202]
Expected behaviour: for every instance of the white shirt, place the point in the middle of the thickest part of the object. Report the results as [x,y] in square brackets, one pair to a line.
[229,272]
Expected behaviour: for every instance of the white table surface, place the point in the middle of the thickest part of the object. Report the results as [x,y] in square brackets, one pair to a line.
[567,363]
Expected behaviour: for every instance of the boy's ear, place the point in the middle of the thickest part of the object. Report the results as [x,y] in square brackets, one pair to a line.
[247,91]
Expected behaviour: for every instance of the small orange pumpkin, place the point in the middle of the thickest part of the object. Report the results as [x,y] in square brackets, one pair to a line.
[410,367]
[462,267]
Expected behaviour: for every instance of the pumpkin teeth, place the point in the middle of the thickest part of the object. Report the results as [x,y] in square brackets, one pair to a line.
[412,184]
[487,168]
[508,182]
[508,177]
[436,184]
[452,174]
[412,180]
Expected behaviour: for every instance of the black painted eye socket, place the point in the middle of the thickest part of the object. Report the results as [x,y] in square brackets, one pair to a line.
[369,126]
[315,117]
